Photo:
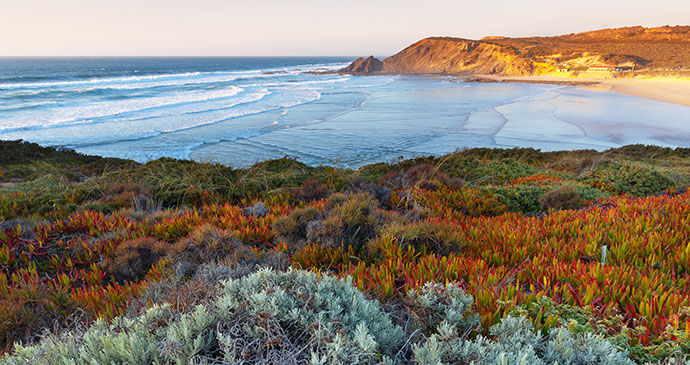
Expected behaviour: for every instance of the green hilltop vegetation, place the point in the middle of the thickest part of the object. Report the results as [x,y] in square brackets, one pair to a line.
[487,256]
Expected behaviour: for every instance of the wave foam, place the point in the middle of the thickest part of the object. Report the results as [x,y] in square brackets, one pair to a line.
[130,82]
[75,114]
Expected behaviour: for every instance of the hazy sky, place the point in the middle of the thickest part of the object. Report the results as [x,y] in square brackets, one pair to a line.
[298,27]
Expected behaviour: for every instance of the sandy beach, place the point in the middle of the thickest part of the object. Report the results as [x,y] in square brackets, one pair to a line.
[668,89]
[672,90]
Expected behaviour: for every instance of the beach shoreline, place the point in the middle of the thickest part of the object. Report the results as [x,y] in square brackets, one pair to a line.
[674,90]
[670,89]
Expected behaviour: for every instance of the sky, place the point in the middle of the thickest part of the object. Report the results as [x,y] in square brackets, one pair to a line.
[297,27]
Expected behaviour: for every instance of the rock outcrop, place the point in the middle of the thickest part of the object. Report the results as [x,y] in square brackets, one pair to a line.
[361,66]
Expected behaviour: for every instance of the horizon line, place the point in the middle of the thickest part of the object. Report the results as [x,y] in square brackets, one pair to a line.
[174,56]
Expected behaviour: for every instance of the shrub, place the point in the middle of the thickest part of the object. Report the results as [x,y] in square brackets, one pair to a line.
[268,316]
[150,338]
[293,228]
[348,219]
[507,261]
[562,197]
[181,183]
[424,176]
[627,177]
[479,171]
[327,232]
[435,303]
[432,235]
[300,317]
[133,258]
[310,190]
[526,198]
[186,289]
[358,217]
[293,310]
[359,186]
[206,243]
[122,195]
[519,198]
[513,341]
[32,305]
[573,164]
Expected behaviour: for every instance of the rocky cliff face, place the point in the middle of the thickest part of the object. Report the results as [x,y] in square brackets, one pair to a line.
[666,48]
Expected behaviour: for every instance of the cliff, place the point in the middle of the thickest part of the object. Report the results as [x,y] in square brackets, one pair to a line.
[662,48]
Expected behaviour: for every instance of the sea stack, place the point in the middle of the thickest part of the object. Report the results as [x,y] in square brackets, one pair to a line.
[364,66]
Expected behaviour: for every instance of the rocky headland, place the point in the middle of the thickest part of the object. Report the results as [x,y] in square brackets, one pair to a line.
[601,54]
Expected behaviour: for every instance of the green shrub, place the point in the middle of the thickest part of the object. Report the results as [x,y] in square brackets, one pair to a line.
[140,340]
[562,197]
[477,172]
[519,198]
[627,177]
[525,198]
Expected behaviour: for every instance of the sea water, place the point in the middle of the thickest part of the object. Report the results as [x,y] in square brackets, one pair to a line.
[239,111]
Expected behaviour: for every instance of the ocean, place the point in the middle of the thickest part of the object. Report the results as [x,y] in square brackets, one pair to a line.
[239,111]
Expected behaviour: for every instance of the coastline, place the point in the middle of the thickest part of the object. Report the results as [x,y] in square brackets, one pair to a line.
[669,89]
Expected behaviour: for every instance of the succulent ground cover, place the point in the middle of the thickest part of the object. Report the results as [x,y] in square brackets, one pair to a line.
[583,250]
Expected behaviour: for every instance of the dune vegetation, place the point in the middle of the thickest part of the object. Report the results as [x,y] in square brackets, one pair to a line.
[484,255]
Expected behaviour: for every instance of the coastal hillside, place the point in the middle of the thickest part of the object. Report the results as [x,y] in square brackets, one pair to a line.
[483,256]
[455,55]
[630,49]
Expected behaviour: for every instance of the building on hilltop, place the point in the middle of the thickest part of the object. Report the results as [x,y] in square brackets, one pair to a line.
[625,66]
[564,68]
[601,68]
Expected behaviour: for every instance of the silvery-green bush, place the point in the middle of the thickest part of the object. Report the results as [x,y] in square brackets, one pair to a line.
[264,317]
[434,303]
[326,320]
[299,317]
[514,341]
